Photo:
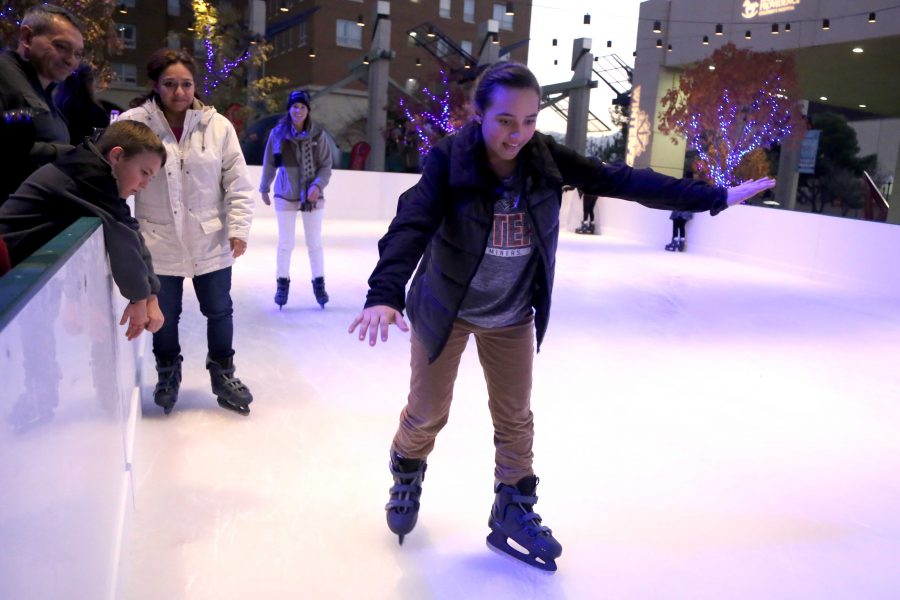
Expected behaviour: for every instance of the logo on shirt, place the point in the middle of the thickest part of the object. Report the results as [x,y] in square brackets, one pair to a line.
[511,235]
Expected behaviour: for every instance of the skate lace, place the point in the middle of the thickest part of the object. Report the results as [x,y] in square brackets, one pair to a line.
[232,382]
[169,378]
[529,519]
[406,489]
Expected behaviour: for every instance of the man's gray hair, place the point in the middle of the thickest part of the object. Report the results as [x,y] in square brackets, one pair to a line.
[41,18]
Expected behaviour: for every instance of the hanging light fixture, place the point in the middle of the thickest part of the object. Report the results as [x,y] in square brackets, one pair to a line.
[657,27]
[747,35]
[123,9]
[787,27]
[554,41]
[495,38]
[587,19]
[312,53]
[360,21]
[658,43]
[706,40]
[871,17]
[609,43]
[430,33]
[718,29]
[510,10]
[826,24]
[555,62]
[418,62]
[669,49]
[774,28]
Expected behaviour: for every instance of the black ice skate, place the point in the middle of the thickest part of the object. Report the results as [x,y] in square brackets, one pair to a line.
[230,392]
[590,228]
[583,228]
[165,394]
[516,529]
[403,506]
[681,244]
[318,285]
[672,246]
[282,286]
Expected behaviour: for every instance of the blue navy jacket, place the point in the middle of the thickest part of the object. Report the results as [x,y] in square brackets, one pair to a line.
[443,223]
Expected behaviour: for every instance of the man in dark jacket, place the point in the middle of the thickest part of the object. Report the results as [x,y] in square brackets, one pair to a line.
[34,132]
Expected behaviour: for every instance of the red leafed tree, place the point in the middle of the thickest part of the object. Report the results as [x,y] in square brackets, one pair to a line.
[731,104]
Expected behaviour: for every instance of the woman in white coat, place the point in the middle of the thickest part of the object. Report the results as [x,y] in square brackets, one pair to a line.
[298,159]
[195,218]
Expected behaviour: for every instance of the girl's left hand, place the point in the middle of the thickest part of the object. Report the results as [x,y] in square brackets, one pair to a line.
[238,247]
[748,189]
[313,193]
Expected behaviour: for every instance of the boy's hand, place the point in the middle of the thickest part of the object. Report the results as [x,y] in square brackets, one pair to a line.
[155,318]
[371,319]
[136,316]
[748,189]
[313,193]
[238,247]
[265,198]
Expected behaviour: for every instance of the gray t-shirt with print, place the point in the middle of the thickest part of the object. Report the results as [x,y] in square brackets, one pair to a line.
[500,293]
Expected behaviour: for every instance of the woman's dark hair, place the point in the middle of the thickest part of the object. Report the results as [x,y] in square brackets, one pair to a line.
[503,74]
[133,137]
[161,60]
[77,87]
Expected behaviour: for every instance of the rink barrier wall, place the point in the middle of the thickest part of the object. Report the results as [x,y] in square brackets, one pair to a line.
[70,407]
[840,251]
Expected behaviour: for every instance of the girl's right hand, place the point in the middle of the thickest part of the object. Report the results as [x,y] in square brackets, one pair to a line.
[375,318]
[265,198]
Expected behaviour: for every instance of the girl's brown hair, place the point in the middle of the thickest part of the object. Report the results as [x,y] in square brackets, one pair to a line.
[503,74]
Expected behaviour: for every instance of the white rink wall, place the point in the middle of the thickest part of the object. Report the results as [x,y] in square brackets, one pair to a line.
[856,253]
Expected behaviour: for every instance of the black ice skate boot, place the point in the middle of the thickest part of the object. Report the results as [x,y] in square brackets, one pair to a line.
[282,286]
[165,394]
[673,245]
[583,228]
[681,244]
[230,392]
[516,529]
[403,506]
[590,228]
[318,285]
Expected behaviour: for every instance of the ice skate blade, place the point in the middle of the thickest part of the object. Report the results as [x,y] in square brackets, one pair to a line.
[498,543]
[240,409]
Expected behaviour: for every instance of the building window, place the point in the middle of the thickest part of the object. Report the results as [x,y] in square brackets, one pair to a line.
[505,20]
[349,34]
[445,9]
[125,73]
[301,34]
[173,8]
[128,35]
[466,46]
[469,11]
[442,49]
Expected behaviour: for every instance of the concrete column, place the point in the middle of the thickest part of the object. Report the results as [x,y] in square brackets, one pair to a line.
[379,63]
[488,31]
[787,177]
[893,215]
[580,97]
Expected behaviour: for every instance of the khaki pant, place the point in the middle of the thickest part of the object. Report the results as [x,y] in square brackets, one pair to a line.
[506,355]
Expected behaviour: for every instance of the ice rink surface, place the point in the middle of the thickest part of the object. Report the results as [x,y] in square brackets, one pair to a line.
[704,430]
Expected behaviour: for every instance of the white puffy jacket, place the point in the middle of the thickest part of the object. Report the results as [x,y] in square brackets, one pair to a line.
[201,197]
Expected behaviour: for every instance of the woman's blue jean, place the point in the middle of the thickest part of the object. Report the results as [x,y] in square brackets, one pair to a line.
[213,292]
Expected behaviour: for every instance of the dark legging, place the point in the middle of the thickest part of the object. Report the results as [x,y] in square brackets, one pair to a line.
[589,201]
[678,228]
